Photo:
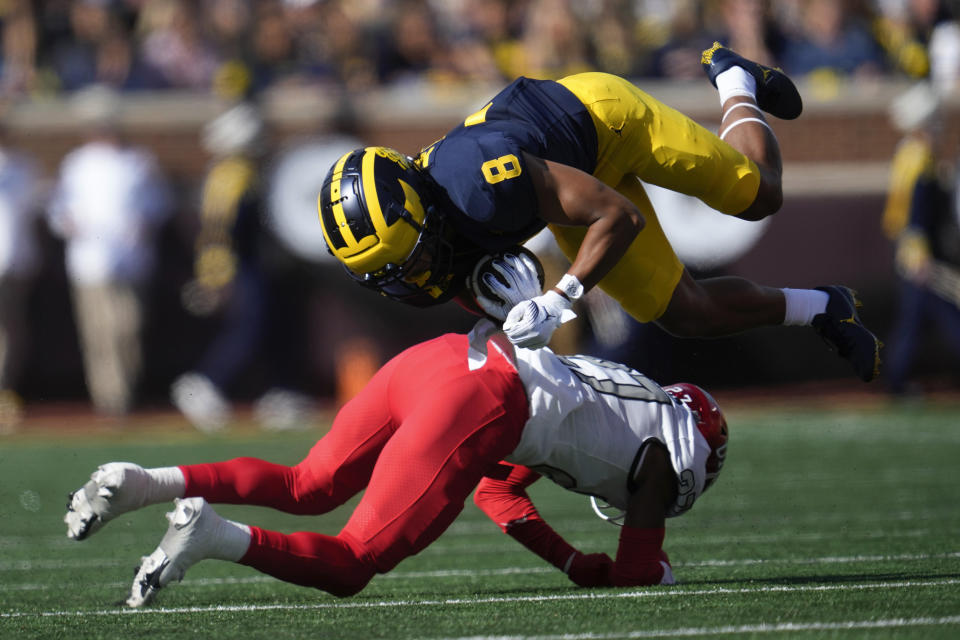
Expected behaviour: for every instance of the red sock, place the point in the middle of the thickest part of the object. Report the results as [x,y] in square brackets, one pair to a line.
[253,481]
[308,559]
[638,557]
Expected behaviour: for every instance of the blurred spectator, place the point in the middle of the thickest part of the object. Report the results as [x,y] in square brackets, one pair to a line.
[344,48]
[19,33]
[945,55]
[273,50]
[923,219]
[749,30]
[487,36]
[832,40]
[356,44]
[905,29]
[233,280]
[75,59]
[174,44]
[108,205]
[411,48]
[554,40]
[227,27]
[305,22]
[98,50]
[18,262]
[679,57]
[914,115]
[613,41]
[746,26]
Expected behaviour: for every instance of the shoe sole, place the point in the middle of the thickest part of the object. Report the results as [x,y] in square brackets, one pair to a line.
[146,583]
[159,569]
[851,296]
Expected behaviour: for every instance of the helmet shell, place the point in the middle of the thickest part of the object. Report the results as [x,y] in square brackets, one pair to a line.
[710,422]
[371,210]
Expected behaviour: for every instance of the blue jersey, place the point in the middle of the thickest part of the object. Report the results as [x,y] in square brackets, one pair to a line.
[480,169]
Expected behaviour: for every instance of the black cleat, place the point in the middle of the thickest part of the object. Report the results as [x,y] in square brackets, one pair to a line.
[841,328]
[776,93]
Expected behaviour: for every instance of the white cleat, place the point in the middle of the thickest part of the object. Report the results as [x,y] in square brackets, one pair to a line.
[114,489]
[193,535]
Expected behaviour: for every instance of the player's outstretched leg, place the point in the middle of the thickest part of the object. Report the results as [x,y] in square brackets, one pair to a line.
[776,93]
[196,532]
[113,489]
[841,328]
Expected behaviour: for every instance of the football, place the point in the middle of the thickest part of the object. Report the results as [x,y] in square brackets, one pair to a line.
[485,266]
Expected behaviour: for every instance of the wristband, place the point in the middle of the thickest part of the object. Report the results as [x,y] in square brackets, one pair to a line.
[570,287]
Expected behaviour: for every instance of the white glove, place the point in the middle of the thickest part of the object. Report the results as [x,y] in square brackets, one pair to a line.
[520,282]
[530,323]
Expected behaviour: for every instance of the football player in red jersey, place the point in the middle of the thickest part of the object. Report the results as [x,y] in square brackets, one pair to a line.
[435,422]
[570,154]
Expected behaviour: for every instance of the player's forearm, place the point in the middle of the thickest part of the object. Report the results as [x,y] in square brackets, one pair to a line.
[605,243]
[506,503]
[504,498]
[540,538]
[570,197]
[585,570]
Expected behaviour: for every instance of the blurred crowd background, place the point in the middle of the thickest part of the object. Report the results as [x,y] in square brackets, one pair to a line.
[55,46]
[160,159]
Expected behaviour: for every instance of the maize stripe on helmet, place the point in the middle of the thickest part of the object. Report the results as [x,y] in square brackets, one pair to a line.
[377,223]
[371,214]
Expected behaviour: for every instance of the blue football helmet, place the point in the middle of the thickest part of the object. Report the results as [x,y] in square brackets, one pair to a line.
[380,222]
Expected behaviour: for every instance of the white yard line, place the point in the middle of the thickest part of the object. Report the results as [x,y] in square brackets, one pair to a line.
[213,582]
[782,627]
[449,544]
[572,525]
[601,595]
[33,565]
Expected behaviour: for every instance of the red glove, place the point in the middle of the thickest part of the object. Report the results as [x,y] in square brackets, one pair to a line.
[641,560]
[590,570]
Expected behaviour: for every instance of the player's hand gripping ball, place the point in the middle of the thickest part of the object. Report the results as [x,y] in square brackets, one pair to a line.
[502,280]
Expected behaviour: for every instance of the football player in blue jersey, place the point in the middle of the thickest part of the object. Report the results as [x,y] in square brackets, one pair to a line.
[571,154]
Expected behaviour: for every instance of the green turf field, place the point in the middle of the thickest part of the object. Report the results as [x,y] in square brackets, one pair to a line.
[823,524]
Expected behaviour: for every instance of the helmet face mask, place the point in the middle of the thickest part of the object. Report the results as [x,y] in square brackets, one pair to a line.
[379,223]
[423,279]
